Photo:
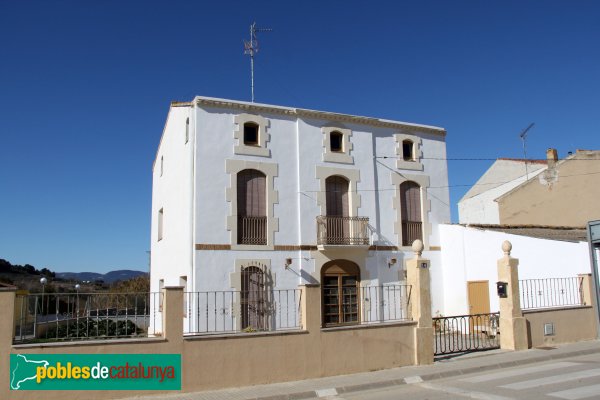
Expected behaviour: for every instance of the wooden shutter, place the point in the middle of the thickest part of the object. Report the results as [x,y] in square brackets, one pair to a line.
[251,193]
[336,196]
[410,197]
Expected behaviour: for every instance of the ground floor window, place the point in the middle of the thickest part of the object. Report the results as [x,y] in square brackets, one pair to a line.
[253,299]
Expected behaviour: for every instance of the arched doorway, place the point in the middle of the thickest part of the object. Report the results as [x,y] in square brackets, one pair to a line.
[340,282]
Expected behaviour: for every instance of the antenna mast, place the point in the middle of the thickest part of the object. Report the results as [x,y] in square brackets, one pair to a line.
[523,136]
[251,47]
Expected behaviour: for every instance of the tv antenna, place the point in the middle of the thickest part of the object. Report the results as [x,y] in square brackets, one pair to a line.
[523,136]
[251,47]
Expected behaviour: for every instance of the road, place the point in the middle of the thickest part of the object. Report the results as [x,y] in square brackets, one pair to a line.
[569,378]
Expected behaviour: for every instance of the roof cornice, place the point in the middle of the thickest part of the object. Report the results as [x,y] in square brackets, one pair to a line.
[300,112]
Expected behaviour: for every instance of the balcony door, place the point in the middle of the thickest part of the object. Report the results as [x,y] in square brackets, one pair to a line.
[337,207]
[251,207]
[410,198]
[253,299]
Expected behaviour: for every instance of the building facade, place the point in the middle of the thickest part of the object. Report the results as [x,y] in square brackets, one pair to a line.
[549,192]
[250,196]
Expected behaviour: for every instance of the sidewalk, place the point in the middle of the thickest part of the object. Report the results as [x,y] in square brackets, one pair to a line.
[459,365]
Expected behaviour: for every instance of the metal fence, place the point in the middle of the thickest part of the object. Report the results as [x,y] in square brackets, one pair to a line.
[550,292]
[385,303]
[464,333]
[235,311]
[77,316]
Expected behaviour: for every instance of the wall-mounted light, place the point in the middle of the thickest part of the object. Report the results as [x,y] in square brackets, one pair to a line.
[392,261]
[288,262]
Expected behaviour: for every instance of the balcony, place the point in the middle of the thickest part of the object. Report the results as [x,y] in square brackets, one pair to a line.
[252,230]
[342,231]
[411,231]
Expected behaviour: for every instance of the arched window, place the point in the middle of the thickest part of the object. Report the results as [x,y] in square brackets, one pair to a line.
[251,134]
[408,150]
[253,299]
[336,141]
[340,280]
[410,209]
[337,224]
[251,207]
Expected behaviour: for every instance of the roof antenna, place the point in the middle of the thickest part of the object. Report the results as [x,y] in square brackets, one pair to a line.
[251,47]
[523,136]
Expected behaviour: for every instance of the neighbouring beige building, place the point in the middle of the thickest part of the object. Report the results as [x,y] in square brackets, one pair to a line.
[556,193]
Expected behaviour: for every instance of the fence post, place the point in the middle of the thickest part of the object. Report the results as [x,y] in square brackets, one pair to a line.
[513,326]
[172,320]
[417,276]
[7,305]
[587,290]
[310,307]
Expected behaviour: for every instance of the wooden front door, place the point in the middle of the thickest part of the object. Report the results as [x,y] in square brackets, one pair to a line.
[479,297]
[479,303]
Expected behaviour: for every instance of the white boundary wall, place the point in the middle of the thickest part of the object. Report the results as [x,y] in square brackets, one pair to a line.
[470,254]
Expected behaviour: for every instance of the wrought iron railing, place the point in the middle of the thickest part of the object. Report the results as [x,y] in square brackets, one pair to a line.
[347,231]
[464,333]
[385,303]
[78,316]
[550,292]
[411,231]
[235,311]
[252,230]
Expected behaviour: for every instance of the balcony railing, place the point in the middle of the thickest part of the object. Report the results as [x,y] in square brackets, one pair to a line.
[411,231]
[344,231]
[252,230]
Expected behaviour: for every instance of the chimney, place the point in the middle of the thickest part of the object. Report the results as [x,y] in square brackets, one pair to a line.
[551,157]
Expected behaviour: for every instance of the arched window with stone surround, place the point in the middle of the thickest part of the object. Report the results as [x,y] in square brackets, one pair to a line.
[410,210]
[251,207]
[253,298]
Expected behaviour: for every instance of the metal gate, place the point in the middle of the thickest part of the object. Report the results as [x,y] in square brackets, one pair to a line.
[466,333]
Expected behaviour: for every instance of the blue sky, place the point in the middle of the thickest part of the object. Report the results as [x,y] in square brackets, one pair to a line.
[85,89]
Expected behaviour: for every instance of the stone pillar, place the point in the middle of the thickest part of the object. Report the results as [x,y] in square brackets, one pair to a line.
[7,304]
[172,319]
[513,326]
[417,276]
[310,307]
[587,290]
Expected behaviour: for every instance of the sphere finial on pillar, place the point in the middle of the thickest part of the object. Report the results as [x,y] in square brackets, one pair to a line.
[418,247]
[506,247]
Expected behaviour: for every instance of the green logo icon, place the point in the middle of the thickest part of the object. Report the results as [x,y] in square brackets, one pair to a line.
[95,372]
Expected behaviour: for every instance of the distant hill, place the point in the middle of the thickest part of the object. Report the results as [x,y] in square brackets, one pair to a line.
[109,277]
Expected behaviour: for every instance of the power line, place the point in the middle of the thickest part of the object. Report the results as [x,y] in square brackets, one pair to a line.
[440,187]
[492,159]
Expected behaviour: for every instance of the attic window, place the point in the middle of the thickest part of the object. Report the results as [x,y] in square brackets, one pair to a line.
[250,134]
[407,150]
[335,141]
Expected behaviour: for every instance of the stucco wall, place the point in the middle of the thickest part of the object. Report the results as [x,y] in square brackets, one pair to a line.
[572,324]
[570,201]
[470,254]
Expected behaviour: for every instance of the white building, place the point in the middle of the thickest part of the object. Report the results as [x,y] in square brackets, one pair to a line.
[547,256]
[479,205]
[249,195]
